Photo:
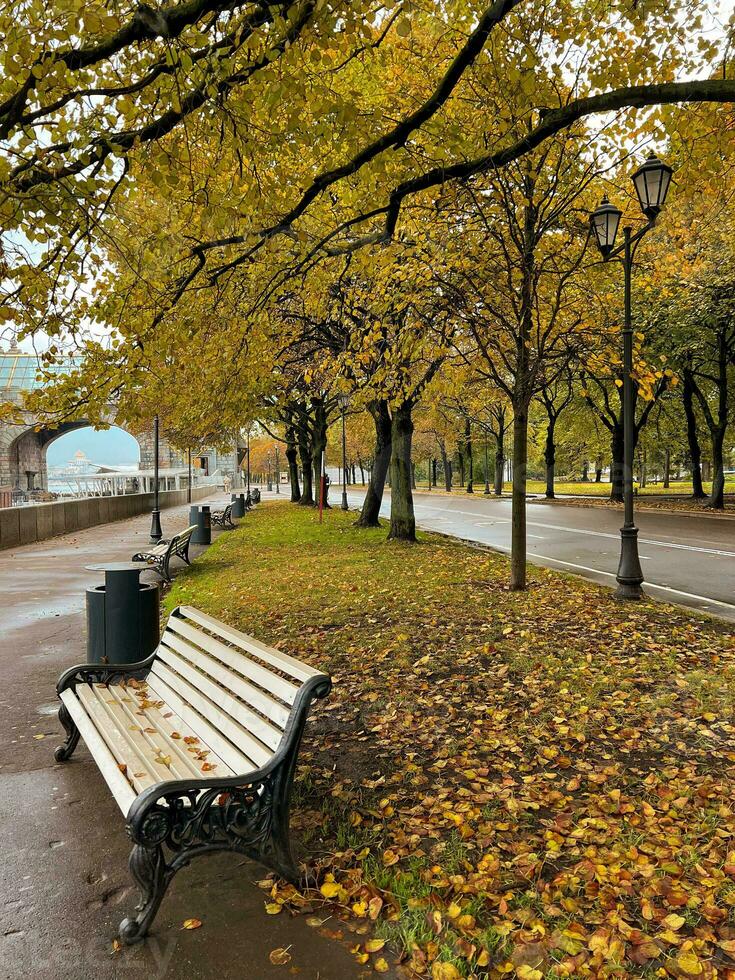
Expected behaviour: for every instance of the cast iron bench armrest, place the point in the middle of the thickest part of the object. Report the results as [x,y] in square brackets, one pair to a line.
[102,673]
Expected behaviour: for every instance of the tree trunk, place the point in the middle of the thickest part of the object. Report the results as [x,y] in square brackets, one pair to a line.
[302,438]
[667,468]
[318,445]
[362,471]
[717,422]
[695,451]
[446,466]
[550,458]
[460,461]
[717,497]
[433,471]
[499,465]
[518,522]
[370,513]
[402,519]
[616,468]
[293,465]
[468,453]
[598,471]
[585,472]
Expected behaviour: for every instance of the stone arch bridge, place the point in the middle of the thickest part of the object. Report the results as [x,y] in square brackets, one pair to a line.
[23,446]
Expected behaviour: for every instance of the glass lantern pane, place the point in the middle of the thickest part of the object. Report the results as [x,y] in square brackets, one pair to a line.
[665,181]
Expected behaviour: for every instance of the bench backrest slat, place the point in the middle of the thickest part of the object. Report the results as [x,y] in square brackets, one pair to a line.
[210,646]
[215,705]
[222,694]
[247,644]
[189,682]
[182,537]
[275,711]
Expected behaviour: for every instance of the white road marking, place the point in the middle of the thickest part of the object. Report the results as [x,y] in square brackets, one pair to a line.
[596,534]
[651,585]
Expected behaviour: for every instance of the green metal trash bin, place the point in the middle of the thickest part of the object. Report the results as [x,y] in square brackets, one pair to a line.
[202,517]
[123,616]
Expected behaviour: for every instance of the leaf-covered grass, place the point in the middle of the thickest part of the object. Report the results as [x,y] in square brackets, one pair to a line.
[534,784]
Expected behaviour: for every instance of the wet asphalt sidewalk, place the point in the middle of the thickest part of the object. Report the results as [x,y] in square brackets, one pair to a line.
[64,882]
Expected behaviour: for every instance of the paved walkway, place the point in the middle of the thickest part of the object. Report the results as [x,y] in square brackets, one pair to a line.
[64,884]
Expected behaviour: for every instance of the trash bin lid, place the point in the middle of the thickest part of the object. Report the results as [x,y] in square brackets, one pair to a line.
[117,566]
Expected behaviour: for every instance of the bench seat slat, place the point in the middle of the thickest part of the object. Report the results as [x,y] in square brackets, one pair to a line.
[263,677]
[238,762]
[281,661]
[271,728]
[175,723]
[184,764]
[120,788]
[216,704]
[134,749]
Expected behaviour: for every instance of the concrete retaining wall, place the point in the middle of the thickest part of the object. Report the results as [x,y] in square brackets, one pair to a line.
[23,525]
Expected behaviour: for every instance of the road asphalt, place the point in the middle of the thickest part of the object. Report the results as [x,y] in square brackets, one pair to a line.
[686,559]
[64,881]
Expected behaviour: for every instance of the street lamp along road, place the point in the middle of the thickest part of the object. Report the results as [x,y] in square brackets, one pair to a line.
[156,533]
[651,182]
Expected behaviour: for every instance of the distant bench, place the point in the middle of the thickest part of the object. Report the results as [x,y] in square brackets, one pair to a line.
[161,554]
[223,518]
[198,745]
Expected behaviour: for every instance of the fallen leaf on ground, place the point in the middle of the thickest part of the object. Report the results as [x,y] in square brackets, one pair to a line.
[279,957]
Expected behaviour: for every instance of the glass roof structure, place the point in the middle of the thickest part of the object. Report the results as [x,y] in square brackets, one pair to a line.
[20,371]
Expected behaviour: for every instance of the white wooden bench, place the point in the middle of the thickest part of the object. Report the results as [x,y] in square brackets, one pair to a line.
[198,745]
[161,554]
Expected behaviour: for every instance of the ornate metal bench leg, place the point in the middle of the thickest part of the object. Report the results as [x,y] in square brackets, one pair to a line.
[283,863]
[148,868]
[64,752]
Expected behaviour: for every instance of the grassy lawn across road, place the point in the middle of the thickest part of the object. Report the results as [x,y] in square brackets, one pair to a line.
[533,785]
[593,489]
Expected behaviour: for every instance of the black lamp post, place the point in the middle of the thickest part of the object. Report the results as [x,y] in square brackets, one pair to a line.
[343,406]
[487,481]
[278,469]
[156,533]
[247,451]
[188,491]
[651,182]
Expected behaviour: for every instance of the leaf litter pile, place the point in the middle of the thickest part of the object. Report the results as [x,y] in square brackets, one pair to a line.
[500,784]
